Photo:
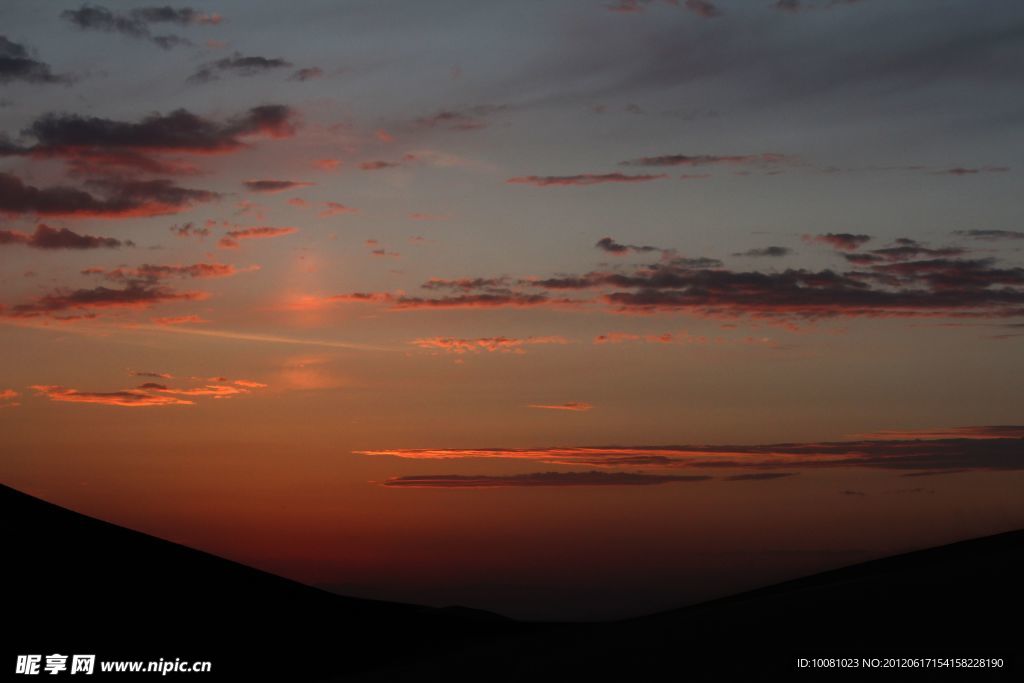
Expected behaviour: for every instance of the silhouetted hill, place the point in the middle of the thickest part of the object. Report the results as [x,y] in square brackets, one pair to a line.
[962,600]
[79,585]
[74,584]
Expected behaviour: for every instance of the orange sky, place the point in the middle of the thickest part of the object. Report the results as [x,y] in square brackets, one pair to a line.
[672,314]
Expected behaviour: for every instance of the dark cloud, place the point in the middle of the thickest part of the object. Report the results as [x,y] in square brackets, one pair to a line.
[839,240]
[611,246]
[708,160]
[379,165]
[190,230]
[133,295]
[157,375]
[148,274]
[628,6]
[136,22]
[116,199]
[949,274]
[583,179]
[306,74]
[271,186]
[893,285]
[514,300]
[237,65]
[92,143]
[974,449]
[469,118]
[961,170]
[17,64]
[703,8]
[765,252]
[479,283]
[903,249]
[536,479]
[810,294]
[183,16]
[46,237]
[991,234]
[95,17]
[794,6]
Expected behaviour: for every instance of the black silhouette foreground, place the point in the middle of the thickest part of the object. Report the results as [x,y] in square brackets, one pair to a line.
[74,584]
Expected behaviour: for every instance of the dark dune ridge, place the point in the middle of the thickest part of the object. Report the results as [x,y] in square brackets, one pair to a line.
[75,584]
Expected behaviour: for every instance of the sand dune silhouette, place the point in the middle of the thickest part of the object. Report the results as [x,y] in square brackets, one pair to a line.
[75,584]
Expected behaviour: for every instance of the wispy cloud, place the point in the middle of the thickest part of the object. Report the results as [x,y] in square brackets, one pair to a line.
[766,159]
[583,179]
[137,23]
[238,65]
[571,406]
[490,344]
[537,479]
[991,234]
[233,237]
[274,186]
[957,450]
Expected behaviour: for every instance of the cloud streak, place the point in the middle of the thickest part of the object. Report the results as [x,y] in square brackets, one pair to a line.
[537,479]
[991,234]
[999,448]
[123,399]
[273,186]
[571,406]
[488,344]
[151,274]
[238,65]
[233,237]
[46,237]
[583,179]
[766,159]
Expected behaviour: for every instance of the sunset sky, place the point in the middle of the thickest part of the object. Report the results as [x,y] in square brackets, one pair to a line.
[563,309]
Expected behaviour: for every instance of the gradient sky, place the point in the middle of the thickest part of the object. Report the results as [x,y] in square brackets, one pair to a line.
[574,309]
